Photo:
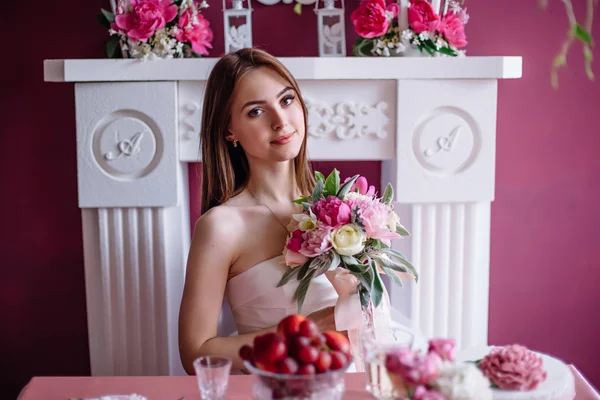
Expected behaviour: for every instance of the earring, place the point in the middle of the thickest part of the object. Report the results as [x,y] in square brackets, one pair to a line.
[235,143]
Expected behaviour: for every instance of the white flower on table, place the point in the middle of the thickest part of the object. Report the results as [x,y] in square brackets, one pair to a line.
[462,381]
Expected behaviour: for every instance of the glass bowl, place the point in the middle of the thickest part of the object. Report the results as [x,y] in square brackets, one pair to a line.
[270,386]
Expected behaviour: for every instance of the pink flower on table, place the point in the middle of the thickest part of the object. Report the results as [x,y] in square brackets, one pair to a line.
[332,212]
[372,17]
[453,29]
[445,348]
[317,241]
[145,17]
[513,367]
[421,17]
[414,368]
[422,393]
[362,185]
[198,33]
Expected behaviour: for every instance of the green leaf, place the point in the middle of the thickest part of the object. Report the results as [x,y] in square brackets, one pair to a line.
[363,47]
[389,272]
[318,192]
[111,46]
[400,257]
[388,194]
[378,244]
[335,261]
[319,176]
[102,20]
[110,17]
[349,260]
[448,51]
[582,34]
[332,184]
[300,293]
[346,187]
[401,230]
[298,8]
[377,290]
[303,270]
[391,264]
[307,206]
[301,200]
[365,279]
[357,269]
[589,57]
[288,276]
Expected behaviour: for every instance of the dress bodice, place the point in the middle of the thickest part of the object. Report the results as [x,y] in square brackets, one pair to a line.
[257,303]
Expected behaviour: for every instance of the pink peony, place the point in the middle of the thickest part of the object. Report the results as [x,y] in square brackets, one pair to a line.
[145,17]
[332,212]
[294,243]
[370,19]
[316,241]
[445,348]
[421,17]
[421,393]
[453,30]
[513,367]
[376,216]
[198,34]
[414,368]
[361,184]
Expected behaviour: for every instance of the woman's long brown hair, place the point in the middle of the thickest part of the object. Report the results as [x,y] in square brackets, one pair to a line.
[225,168]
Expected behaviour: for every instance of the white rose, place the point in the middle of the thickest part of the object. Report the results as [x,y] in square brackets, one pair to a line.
[462,381]
[348,240]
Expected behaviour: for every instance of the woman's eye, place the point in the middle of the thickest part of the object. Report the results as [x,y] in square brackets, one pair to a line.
[255,112]
[287,100]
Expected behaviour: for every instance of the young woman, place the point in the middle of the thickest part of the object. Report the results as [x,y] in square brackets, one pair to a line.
[254,126]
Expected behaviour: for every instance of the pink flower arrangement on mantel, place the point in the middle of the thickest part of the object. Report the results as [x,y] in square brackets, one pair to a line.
[151,29]
[387,29]
[513,367]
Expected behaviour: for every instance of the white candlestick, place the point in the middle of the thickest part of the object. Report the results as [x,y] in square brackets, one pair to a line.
[435,4]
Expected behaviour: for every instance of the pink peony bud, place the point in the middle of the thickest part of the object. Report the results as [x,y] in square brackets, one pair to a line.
[445,348]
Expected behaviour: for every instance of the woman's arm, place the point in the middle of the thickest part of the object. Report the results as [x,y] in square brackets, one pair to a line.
[212,252]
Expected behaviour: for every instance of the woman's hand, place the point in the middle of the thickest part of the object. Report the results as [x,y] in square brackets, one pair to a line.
[324,319]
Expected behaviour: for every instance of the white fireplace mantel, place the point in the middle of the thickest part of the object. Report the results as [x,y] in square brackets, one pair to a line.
[431,121]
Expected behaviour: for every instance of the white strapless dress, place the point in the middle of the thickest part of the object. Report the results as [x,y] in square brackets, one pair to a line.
[256,303]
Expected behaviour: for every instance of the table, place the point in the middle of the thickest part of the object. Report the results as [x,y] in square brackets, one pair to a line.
[178,387]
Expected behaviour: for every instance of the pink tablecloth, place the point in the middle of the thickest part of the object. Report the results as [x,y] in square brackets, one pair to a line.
[177,387]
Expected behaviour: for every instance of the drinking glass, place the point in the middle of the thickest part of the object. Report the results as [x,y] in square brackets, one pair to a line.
[212,373]
[375,343]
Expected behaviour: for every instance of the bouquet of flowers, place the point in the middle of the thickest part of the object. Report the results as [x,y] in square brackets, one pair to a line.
[150,29]
[435,375]
[382,31]
[345,225]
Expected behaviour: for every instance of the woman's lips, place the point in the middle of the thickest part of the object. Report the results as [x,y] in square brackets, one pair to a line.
[284,139]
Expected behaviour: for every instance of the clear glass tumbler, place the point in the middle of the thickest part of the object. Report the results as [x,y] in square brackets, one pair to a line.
[375,343]
[212,373]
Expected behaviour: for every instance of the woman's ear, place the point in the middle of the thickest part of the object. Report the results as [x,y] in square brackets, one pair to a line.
[230,136]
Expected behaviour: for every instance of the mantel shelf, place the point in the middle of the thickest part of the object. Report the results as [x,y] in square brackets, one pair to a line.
[310,68]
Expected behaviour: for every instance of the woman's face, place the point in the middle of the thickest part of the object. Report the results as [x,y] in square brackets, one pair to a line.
[266,117]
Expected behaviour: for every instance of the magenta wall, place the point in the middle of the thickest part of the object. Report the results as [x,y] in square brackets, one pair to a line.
[545,267]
